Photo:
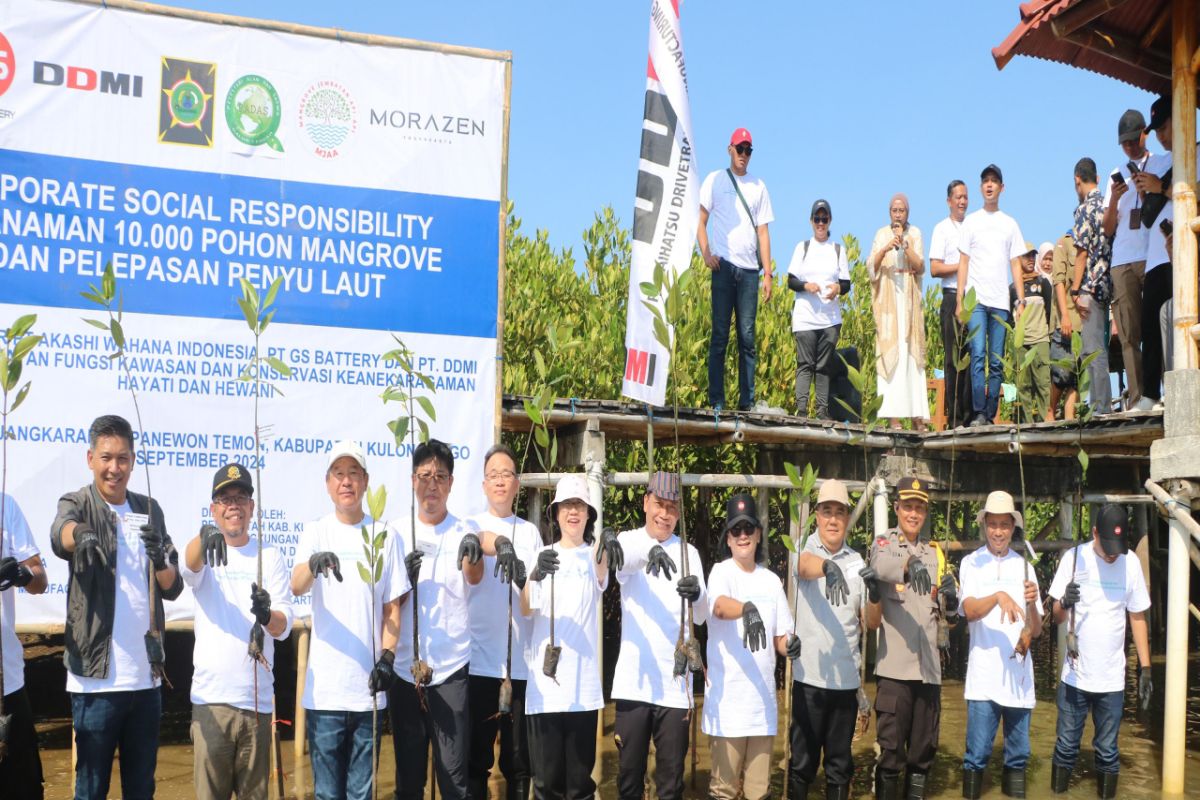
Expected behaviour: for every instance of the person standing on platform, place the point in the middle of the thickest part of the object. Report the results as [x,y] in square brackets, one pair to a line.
[749,623]
[1001,604]
[231,742]
[110,535]
[1091,283]
[1101,585]
[825,679]
[909,594]
[943,264]
[20,568]
[1033,379]
[895,265]
[652,702]
[1065,320]
[735,248]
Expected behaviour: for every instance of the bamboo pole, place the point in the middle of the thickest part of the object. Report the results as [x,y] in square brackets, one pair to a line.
[501,272]
[1183,122]
[299,730]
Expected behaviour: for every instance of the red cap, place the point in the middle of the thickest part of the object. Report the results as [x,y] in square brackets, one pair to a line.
[739,136]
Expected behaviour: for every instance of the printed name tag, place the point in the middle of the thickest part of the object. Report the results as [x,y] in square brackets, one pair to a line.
[134,522]
[428,546]
[1135,218]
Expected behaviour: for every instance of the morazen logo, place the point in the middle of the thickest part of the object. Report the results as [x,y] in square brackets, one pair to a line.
[328,117]
[427,126]
[252,112]
[8,64]
[185,108]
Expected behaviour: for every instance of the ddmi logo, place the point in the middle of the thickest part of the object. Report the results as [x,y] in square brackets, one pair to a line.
[87,80]
[639,366]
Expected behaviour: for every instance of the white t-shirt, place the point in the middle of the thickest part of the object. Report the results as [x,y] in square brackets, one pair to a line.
[340,652]
[650,623]
[1106,592]
[944,247]
[223,672]
[991,673]
[739,699]
[577,595]
[1157,253]
[489,599]
[992,240]
[128,665]
[442,593]
[824,264]
[731,234]
[1129,244]
[18,543]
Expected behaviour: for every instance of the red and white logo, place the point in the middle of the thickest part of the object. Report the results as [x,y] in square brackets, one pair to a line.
[8,64]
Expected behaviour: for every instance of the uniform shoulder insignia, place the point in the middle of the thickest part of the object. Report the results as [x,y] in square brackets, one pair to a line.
[881,541]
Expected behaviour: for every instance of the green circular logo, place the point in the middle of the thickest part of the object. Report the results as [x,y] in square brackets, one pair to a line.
[252,112]
[188,102]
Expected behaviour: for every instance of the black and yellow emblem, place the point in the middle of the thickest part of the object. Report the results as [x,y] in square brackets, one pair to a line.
[185,107]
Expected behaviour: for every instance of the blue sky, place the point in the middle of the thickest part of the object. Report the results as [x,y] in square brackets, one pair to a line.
[849,101]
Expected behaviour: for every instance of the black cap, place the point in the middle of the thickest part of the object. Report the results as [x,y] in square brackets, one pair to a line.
[740,508]
[821,205]
[992,168]
[232,475]
[912,489]
[1160,112]
[1112,530]
[1130,127]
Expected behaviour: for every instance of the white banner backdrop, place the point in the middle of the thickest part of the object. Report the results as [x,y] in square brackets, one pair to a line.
[191,155]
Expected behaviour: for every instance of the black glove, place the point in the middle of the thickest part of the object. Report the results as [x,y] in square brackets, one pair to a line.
[212,546]
[948,591]
[918,576]
[382,676]
[547,564]
[260,604]
[1070,595]
[412,565]
[836,590]
[871,582]
[13,573]
[520,576]
[88,551]
[793,647]
[1145,688]
[323,563]
[609,546]
[155,550]
[754,636]
[470,549]
[658,560]
[688,588]
[506,560]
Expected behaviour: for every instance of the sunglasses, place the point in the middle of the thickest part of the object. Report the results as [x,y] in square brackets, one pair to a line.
[742,530]
[744,149]
[821,220]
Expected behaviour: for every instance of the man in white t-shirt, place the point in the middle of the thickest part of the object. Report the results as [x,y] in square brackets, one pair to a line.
[1001,603]
[943,264]
[20,568]
[354,624]
[114,539]
[735,211]
[446,562]
[231,725]
[1096,586]
[818,273]
[653,701]
[990,246]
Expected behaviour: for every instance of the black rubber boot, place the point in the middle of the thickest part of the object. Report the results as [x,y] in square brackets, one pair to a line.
[1060,778]
[518,789]
[797,789]
[1106,785]
[1013,783]
[837,791]
[972,783]
[887,786]
[915,790]
[477,788]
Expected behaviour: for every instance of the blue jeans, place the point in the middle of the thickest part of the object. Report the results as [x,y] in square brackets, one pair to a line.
[339,745]
[733,290]
[986,334]
[983,717]
[106,722]
[1073,705]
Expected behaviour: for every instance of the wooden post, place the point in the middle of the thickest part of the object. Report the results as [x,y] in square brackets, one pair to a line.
[299,782]
[1183,135]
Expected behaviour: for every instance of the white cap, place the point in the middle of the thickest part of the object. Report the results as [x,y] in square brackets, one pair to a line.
[573,487]
[347,449]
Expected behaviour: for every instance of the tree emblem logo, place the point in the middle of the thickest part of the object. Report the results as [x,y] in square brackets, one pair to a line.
[328,116]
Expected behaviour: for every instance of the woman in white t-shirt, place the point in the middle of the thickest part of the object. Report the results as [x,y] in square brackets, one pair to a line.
[749,623]
[563,595]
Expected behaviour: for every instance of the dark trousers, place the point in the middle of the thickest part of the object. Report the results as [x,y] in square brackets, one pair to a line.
[563,746]
[733,290]
[814,356]
[21,769]
[107,722]
[1157,290]
[907,715]
[636,724]
[514,742]
[957,384]
[822,719]
[1073,707]
[445,723]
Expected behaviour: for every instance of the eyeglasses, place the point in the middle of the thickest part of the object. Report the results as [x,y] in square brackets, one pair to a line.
[354,475]
[439,478]
[232,500]
[742,530]
[744,149]
[500,475]
[821,220]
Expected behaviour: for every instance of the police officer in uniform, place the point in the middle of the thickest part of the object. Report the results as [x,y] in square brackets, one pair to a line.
[908,592]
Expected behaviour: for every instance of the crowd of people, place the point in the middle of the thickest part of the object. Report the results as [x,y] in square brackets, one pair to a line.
[1108,277]
[496,632]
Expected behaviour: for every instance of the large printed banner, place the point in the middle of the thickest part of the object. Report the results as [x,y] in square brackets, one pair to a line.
[192,155]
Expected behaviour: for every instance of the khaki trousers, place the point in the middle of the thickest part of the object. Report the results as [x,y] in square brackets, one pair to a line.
[232,752]
[1128,280]
[742,763]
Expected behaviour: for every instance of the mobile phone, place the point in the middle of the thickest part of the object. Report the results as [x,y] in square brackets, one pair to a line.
[1133,168]
[1117,177]
[1166,227]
